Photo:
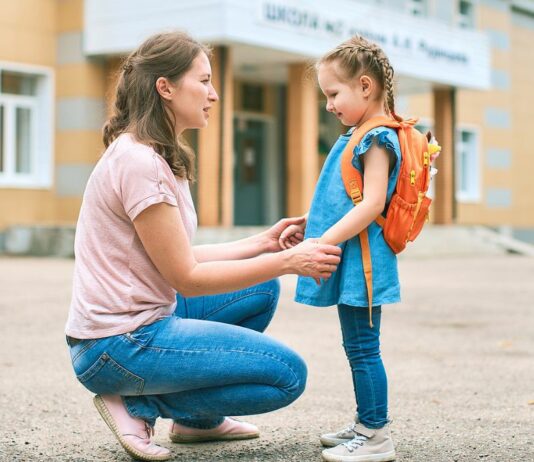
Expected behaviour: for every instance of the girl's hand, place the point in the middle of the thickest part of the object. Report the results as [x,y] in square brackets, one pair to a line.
[292,235]
[318,261]
[273,236]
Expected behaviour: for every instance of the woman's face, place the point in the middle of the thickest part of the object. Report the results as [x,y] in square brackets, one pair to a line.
[191,97]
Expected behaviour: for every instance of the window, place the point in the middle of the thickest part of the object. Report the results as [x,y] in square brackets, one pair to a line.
[25,126]
[466,14]
[417,7]
[467,166]
[252,97]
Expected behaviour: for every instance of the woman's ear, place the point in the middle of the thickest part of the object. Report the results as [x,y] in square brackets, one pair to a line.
[164,88]
[366,84]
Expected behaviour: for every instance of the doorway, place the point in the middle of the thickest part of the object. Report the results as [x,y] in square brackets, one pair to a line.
[256,178]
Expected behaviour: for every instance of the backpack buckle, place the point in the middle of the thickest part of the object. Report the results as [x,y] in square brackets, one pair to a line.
[355,193]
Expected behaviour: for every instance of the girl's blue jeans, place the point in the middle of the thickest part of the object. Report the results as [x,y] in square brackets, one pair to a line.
[362,347]
[209,360]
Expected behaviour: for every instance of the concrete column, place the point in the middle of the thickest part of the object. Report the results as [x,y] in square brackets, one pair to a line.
[215,148]
[444,202]
[302,139]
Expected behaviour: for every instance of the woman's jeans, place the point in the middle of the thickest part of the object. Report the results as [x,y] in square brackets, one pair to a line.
[207,361]
[362,346]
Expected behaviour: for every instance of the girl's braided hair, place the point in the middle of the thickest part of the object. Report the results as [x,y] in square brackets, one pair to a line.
[357,56]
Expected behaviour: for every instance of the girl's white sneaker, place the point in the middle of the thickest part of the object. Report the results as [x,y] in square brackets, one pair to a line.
[369,445]
[342,436]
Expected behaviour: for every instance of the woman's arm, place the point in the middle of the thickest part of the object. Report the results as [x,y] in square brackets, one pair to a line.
[162,233]
[266,241]
[236,250]
[376,170]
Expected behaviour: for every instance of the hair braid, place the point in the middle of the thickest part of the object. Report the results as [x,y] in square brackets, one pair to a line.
[120,119]
[389,73]
[357,56]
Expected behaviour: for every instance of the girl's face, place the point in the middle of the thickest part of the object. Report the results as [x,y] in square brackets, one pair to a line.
[191,97]
[349,102]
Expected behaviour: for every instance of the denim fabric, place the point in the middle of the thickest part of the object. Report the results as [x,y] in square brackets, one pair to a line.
[199,365]
[330,203]
[362,347]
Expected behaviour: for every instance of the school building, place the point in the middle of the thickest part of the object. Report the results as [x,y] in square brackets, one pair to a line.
[464,67]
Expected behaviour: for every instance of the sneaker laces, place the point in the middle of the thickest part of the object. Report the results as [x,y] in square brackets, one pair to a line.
[350,428]
[355,442]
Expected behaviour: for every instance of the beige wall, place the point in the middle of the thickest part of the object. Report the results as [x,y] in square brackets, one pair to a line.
[522,103]
[28,36]
[36,25]
[87,78]
[518,101]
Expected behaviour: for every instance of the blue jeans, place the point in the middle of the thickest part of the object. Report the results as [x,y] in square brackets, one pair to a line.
[207,361]
[362,347]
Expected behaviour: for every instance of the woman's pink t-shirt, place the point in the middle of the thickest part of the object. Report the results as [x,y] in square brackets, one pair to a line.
[116,286]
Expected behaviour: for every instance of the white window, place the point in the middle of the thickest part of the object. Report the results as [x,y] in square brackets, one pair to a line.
[467,165]
[466,14]
[26,121]
[417,7]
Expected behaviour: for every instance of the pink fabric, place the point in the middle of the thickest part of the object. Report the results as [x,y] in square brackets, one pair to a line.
[116,287]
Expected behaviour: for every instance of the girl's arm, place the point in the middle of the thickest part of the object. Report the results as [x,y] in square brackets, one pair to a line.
[162,233]
[376,163]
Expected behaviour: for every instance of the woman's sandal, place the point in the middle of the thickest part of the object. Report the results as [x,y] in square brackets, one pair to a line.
[136,444]
[230,429]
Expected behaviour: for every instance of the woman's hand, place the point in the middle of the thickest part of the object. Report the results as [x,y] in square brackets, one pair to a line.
[273,236]
[314,260]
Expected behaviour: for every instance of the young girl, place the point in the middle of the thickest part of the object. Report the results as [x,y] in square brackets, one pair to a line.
[357,80]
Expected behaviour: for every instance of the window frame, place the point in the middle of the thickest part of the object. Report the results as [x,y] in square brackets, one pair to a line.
[417,8]
[464,21]
[474,193]
[42,108]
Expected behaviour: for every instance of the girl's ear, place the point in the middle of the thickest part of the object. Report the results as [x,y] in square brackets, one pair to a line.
[164,88]
[367,85]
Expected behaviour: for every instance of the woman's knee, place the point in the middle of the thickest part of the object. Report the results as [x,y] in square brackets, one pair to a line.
[272,287]
[264,300]
[296,376]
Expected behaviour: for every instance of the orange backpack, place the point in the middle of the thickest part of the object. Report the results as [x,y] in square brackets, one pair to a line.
[408,209]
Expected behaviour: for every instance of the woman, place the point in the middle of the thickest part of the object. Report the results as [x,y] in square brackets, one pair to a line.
[146,355]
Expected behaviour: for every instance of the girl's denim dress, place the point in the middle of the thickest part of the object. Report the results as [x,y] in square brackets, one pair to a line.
[330,203]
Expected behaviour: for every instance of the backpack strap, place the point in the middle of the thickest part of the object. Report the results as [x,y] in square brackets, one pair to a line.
[353,182]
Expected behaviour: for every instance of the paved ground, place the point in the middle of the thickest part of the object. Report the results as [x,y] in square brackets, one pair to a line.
[459,352]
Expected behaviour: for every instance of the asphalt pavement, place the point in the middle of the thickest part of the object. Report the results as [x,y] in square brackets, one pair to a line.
[459,351]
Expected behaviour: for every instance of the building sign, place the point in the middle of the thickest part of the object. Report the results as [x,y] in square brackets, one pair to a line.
[425,50]
[308,22]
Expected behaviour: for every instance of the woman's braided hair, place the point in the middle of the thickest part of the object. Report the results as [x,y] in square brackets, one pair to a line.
[357,56]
